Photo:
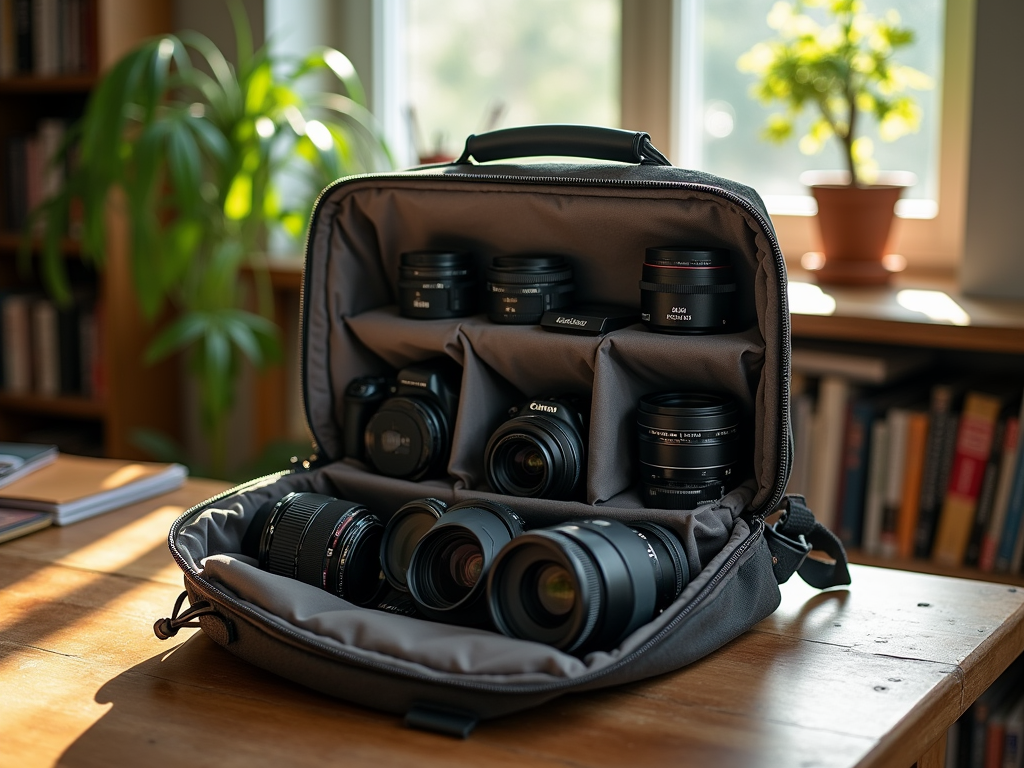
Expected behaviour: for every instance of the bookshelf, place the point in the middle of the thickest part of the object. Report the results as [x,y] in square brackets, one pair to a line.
[917,311]
[125,395]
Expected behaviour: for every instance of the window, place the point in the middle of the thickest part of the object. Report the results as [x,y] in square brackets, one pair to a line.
[720,123]
[466,66]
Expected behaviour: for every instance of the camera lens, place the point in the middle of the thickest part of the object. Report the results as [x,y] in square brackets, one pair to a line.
[538,453]
[408,437]
[436,284]
[401,535]
[585,586]
[687,290]
[688,449]
[520,289]
[323,541]
[448,567]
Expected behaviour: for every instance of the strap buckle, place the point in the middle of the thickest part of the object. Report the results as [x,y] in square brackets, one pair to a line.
[788,554]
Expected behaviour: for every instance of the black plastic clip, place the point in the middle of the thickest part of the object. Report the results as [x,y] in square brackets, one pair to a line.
[787,554]
[167,628]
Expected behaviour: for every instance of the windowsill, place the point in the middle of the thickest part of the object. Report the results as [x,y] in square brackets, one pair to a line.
[898,313]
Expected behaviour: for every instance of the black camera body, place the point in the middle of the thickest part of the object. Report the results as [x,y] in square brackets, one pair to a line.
[403,428]
[539,452]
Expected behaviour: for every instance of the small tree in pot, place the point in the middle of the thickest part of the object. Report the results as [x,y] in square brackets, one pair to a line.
[845,72]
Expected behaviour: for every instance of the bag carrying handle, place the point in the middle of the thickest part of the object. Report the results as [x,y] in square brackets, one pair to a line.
[564,140]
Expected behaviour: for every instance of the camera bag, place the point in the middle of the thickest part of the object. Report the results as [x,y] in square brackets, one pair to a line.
[601,217]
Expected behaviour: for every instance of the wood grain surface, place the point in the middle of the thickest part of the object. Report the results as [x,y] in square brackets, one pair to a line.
[868,676]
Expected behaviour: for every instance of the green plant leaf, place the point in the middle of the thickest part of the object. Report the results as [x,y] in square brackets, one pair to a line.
[177,336]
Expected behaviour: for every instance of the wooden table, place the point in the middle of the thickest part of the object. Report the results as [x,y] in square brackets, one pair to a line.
[871,676]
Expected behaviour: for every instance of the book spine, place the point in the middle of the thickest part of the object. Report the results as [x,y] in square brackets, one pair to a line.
[913,476]
[931,492]
[47,357]
[990,539]
[855,470]
[1014,512]
[874,503]
[87,351]
[8,40]
[23,35]
[69,350]
[899,423]
[973,445]
[830,420]
[986,497]
[17,355]
[803,426]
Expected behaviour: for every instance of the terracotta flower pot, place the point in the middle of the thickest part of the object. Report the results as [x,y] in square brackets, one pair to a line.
[854,222]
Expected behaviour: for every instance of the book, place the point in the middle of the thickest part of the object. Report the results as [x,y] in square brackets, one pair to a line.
[874,501]
[859,364]
[74,488]
[17,348]
[899,426]
[829,424]
[1013,738]
[1012,527]
[942,424]
[973,446]
[17,522]
[986,496]
[803,448]
[855,472]
[990,539]
[913,475]
[19,459]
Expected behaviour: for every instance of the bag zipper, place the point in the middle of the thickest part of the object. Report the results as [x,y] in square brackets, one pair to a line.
[211,592]
[784,444]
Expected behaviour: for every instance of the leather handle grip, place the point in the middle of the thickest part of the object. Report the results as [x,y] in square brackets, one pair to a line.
[563,140]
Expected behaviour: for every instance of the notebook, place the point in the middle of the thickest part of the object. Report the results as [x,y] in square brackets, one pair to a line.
[74,488]
[19,459]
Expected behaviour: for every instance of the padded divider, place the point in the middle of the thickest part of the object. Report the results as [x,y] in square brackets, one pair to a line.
[633,363]
[364,225]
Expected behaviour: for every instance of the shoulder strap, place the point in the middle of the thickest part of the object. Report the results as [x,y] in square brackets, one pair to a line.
[792,537]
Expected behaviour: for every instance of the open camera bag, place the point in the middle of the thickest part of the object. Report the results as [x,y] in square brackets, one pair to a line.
[601,217]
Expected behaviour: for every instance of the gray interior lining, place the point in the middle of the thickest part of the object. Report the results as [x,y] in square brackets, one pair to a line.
[353,328]
[210,544]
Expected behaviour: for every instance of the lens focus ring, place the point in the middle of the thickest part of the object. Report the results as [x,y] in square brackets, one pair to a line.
[289,530]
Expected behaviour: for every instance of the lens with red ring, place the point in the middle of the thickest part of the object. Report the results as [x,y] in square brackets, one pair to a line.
[688,290]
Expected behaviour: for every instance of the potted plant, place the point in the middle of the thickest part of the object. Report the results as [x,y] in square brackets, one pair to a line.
[844,71]
[194,151]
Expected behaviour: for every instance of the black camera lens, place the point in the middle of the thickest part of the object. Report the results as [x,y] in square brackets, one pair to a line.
[688,290]
[401,535]
[436,284]
[449,566]
[520,289]
[538,452]
[688,448]
[410,434]
[585,586]
[323,541]
[408,437]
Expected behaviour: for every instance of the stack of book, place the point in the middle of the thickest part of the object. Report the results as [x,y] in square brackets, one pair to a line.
[39,487]
[903,465]
[47,37]
[49,351]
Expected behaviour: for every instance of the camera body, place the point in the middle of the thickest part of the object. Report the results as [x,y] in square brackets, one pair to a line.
[403,428]
[539,452]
